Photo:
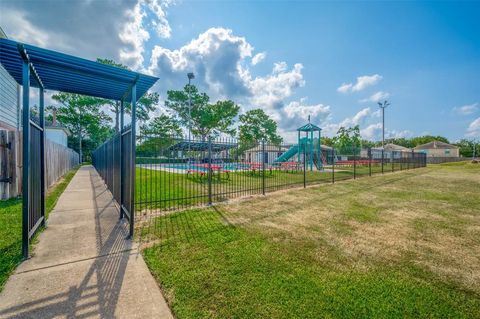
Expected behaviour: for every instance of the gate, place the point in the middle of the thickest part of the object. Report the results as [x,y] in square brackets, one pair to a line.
[114,161]
[33,179]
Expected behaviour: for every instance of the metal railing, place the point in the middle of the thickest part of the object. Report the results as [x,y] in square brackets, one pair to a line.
[174,173]
[113,162]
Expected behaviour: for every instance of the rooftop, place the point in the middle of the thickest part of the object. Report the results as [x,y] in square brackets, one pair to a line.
[66,73]
[435,145]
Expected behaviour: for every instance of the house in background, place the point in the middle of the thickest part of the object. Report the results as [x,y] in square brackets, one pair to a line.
[388,149]
[438,149]
[9,99]
[58,134]
[272,152]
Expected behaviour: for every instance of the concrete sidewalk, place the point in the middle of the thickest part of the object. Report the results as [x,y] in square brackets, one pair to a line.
[83,267]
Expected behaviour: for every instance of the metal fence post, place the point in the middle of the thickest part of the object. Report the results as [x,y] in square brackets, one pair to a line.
[133,159]
[391,161]
[209,171]
[304,165]
[383,158]
[333,165]
[26,158]
[354,163]
[263,166]
[121,158]
[369,161]
[42,157]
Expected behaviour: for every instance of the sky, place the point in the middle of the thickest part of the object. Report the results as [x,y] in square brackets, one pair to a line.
[332,61]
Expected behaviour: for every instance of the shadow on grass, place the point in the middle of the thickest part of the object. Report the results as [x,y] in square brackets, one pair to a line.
[191,224]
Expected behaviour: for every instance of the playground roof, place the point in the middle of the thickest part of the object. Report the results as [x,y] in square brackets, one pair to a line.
[200,146]
[61,72]
[309,128]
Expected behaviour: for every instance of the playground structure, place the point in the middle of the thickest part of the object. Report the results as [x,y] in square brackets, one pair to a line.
[308,148]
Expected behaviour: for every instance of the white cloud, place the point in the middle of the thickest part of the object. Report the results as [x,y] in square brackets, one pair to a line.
[372,131]
[297,113]
[259,57]
[221,62]
[361,83]
[38,23]
[473,129]
[22,29]
[466,109]
[134,33]
[360,118]
[376,97]
[357,119]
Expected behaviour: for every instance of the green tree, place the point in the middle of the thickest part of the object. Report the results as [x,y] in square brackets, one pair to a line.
[207,119]
[347,139]
[419,140]
[146,104]
[82,115]
[466,147]
[158,134]
[256,125]
[161,126]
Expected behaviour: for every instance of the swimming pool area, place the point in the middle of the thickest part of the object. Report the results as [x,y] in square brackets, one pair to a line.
[183,168]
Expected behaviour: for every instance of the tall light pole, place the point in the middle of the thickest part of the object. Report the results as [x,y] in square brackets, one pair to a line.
[383,106]
[474,150]
[190,76]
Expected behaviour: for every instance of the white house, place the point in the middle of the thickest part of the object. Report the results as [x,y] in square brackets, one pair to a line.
[58,134]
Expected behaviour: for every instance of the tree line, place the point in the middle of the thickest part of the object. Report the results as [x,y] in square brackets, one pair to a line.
[89,123]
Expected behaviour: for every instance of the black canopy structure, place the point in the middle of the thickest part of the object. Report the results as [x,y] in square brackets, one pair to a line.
[32,66]
[200,146]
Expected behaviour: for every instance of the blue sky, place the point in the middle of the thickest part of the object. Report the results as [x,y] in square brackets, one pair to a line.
[289,58]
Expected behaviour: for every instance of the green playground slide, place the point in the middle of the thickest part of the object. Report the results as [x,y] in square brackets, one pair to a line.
[292,151]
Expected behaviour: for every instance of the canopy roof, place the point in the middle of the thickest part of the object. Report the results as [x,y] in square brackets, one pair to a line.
[200,146]
[309,128]
[67,73]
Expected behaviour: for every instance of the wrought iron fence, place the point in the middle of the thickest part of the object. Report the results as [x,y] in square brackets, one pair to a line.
[174,173]
[113,162]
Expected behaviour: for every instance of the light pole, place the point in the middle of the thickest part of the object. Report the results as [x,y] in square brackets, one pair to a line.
[474,150]
[190,76]
[383,106]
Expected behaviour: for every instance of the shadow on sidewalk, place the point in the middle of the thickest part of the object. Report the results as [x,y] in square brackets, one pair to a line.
[98,292]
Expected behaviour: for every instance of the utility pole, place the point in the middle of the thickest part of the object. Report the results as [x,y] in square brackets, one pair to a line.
[383,106]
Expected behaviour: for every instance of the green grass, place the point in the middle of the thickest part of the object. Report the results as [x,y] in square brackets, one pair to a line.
[394,246]
[11,227]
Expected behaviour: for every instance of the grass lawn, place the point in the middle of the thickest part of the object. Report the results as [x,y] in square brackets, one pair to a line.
[11,227]
[402,245]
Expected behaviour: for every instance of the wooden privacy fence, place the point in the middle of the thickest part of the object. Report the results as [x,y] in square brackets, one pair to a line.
[10,169]
[58,161]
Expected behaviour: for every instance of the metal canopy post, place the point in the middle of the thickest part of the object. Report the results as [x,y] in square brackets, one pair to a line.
[42,156]
[26,157]
[133,155]
[121,158]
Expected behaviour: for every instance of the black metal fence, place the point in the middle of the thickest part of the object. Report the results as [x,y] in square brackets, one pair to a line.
[113,162]
[36,197]
[173,173]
